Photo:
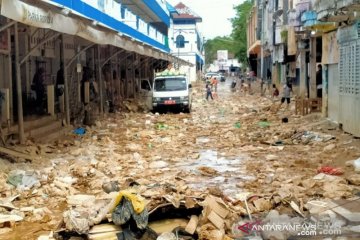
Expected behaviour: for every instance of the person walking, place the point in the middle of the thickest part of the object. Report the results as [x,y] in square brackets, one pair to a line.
[214,83]
[287,89]
[208,92]
[319,81]
[38,85]
[268,78]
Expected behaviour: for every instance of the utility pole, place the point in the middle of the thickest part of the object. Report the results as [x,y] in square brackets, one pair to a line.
[263,3]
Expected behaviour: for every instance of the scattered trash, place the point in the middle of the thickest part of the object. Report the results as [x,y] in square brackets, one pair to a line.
[130,205]
[356,164]
[329,147]
[23,180]
[296,208]
[308,136]
[237,125]
[186,193]
[10,218]
[271,157]
[192,225]
[167,236]
[264,124]
[81,200]
[158,164]
[353,179]
[79,131]
[112,186]
[207,171]
[316,207]
[331,171]
[7,202]
[162,126]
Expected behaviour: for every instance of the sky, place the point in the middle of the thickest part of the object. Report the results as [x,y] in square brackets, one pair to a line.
[215,15]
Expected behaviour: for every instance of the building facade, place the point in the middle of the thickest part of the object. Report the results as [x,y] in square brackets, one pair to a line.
[302,35]
[186,41]
[61,55]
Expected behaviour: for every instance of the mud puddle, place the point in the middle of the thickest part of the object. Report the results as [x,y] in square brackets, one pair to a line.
[229,171]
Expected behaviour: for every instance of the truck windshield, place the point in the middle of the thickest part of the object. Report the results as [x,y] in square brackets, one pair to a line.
[170,84]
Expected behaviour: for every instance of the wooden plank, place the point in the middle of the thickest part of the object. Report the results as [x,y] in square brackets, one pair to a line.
[192,225]
[104,228]
[346,208]
[51,100]
[216,207]
[216,220]
[87,92]
[313,68]
[5,108]
[16,154]
[62,103]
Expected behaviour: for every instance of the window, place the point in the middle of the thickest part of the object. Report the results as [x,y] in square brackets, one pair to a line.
[180,41]
[170,84]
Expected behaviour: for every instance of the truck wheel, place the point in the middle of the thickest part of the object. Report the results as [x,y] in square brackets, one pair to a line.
[187,109]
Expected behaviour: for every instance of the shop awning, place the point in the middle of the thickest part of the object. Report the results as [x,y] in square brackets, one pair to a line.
[315,25]
[199,59]
[310,22]
[255,48]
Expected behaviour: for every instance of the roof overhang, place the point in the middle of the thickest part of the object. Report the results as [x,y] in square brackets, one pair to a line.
[255,48]
[149,10]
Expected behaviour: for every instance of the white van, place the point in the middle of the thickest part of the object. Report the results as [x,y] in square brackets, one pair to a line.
[169,89]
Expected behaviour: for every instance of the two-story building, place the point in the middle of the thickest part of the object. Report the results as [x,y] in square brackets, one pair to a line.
[186,41]
[61,55]
[341,61]
[260,39]
[307,34]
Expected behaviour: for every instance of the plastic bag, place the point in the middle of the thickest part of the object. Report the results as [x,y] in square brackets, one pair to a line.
[124,211]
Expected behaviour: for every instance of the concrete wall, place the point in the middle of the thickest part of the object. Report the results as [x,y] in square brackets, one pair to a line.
[251,28]
[189,32]
[190,70]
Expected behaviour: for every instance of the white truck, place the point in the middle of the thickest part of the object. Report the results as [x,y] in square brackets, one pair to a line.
[169,89]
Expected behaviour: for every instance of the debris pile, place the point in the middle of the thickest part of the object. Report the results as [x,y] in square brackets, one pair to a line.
[186,172]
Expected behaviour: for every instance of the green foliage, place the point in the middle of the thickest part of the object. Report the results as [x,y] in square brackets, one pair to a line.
[239,33]
[218,43]
[284,35]
[236,43]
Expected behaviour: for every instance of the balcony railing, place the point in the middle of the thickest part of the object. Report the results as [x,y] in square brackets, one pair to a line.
[325,9]
[354,4]
[113,9]
[336,10]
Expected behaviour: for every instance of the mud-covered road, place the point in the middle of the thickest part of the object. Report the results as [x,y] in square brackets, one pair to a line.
[233,145]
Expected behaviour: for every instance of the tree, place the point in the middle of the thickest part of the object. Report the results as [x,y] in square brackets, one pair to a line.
[218,43]
[236,43]
[239,33]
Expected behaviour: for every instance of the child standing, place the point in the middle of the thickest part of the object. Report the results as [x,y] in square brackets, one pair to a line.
[208,92]
[286,95]
[275,92]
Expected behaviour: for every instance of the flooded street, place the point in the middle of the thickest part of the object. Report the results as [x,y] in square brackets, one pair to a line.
[226,147]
